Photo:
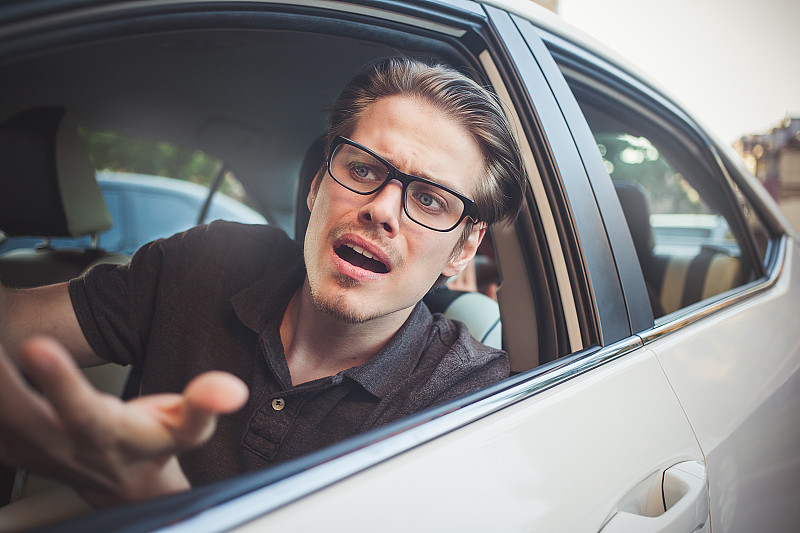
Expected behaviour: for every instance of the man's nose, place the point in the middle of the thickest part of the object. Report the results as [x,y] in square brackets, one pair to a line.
[384,208]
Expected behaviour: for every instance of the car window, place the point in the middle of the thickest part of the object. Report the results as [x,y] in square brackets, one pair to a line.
[127,166]
[154,189]
[136,160]
[682,221]
[114,238]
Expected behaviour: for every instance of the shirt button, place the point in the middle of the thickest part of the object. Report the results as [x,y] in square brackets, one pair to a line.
[278,404]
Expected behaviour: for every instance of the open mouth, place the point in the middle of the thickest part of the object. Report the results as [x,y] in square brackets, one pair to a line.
[357,256]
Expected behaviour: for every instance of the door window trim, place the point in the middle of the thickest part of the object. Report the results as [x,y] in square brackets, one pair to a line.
[650,104]
[593,270]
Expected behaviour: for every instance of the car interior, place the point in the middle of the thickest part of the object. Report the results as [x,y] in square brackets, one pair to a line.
[57,198]
[688,269]
[254,98]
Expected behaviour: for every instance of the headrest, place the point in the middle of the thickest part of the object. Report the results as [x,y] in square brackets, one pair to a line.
[47,181]
[636,208]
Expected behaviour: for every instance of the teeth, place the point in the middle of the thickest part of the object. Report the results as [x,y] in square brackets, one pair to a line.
[361,251]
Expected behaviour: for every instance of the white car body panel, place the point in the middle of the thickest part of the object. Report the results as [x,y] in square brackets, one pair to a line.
[744,404]
[704,396]
[525,468]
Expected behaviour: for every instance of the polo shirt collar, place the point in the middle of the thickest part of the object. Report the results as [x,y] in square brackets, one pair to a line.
[398,359]
[263,303]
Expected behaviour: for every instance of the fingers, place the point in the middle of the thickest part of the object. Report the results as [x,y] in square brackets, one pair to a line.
[12,386]
[206,396]
[97,432]
[111,450]
[217,392]
[19,402]
[51,368]
[28,422]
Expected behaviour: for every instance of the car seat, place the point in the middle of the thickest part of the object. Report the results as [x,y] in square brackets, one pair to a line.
[636,209]
[48,189]
[674,281]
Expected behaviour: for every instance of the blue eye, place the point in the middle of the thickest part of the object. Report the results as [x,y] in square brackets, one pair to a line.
[362,172]
[430,202]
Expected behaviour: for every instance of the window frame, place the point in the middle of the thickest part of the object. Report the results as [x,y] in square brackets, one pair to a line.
[573,197]
[614,82]
[600,305]
[331,464]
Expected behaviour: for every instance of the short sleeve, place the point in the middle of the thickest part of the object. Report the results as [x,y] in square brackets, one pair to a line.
[123,310]
[114,303]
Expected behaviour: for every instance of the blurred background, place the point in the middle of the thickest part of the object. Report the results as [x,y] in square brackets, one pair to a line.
[731,63]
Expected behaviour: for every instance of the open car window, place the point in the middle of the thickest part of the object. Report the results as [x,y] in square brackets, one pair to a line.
[254,111]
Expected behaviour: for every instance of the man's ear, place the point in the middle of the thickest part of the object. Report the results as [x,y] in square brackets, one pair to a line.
[460,260]
[312,193]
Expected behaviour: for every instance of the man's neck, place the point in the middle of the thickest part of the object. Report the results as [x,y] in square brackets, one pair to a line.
[318,345]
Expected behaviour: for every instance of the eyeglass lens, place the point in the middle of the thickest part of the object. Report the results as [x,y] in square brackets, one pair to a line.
[425,203]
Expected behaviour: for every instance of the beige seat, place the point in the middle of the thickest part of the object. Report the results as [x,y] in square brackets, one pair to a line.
[48,189]
[675,281]
[689,279]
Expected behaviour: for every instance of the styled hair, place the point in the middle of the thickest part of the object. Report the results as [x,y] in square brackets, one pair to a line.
[500,195]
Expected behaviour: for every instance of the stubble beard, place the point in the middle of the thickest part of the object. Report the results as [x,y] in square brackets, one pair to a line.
[335,307]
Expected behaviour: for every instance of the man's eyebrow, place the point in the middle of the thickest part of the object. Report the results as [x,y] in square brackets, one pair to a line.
[428,177]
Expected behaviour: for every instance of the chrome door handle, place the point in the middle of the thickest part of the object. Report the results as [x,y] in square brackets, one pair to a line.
[684,507]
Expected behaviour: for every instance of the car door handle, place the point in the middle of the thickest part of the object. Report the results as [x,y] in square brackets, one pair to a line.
[684,505]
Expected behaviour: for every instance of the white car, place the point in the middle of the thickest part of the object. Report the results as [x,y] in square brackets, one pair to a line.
[651,391]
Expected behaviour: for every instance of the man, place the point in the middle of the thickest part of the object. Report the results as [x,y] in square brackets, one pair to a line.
[330,340]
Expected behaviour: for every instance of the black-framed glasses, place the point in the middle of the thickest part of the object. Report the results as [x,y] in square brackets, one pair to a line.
[429,204]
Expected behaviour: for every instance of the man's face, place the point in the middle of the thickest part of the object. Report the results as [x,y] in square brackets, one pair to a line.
[344,226]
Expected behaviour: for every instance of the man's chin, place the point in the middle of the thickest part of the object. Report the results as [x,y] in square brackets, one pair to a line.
[338,307]
[334,308]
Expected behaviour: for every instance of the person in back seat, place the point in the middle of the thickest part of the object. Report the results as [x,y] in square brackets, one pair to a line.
[329,339]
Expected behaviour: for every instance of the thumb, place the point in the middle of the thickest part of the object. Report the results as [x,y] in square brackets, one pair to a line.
[204,398]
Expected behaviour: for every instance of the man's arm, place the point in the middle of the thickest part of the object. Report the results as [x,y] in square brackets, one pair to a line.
[110,451]
[43,311]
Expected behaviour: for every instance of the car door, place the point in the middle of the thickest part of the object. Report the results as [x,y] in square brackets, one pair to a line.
[727,337]
[587,435]
[587,440]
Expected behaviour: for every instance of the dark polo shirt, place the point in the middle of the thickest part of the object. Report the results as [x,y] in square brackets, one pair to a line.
[212,298]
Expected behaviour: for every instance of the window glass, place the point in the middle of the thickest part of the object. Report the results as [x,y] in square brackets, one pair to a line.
[154,214]
[153,189]
[758,229]
[114,237]
[681,220]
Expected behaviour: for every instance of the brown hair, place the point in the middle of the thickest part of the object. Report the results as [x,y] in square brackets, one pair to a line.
[500,195]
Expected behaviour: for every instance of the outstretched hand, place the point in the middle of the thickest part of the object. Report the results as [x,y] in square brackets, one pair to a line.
[110,451]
